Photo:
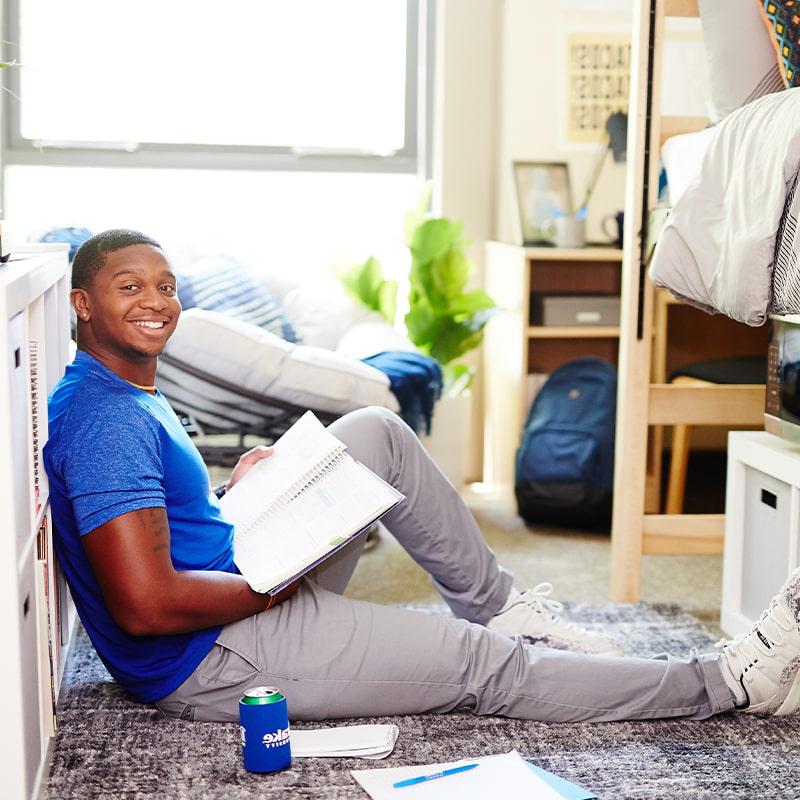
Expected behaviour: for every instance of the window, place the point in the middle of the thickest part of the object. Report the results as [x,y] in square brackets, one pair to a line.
[286,132]
[268,83]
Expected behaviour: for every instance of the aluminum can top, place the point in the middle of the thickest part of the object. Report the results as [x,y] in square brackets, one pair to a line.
[261,696]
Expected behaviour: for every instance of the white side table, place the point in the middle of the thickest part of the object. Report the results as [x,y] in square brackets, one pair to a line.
[762,524]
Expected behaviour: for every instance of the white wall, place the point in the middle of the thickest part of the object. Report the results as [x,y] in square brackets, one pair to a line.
[534,108]
[533,91]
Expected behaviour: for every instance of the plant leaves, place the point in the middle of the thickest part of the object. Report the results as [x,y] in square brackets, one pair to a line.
[450,272]
[470,303]
[369,280]
[434,237]
[453,339]
[387,300]
[457,379]
[420,324]
[365,284]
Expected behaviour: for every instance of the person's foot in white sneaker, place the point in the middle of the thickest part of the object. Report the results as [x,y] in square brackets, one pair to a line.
[762,666]
[533,616]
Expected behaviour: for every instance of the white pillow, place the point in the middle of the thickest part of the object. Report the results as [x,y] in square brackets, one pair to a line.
[321,312]
[254,359]
[682,156]
[742,64]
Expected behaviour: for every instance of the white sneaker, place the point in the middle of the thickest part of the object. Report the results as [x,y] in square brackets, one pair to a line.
[762,666]
[532,615]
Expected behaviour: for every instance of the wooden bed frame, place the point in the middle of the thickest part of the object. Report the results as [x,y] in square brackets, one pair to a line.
[645,401]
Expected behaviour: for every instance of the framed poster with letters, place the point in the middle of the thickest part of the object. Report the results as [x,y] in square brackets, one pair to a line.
[598,77]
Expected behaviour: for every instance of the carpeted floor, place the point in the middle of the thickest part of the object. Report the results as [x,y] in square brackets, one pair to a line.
[109,747]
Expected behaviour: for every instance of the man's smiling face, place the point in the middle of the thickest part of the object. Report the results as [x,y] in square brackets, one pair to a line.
[132,303]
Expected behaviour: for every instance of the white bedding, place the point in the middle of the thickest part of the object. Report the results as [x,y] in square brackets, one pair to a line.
[682,157]
[717,249]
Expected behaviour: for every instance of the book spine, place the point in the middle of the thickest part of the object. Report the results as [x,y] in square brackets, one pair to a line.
[36,467]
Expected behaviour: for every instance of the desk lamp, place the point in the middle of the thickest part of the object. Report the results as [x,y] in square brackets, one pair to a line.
[616,140]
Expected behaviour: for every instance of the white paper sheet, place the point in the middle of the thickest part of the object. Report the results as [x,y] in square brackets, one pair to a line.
[496,776]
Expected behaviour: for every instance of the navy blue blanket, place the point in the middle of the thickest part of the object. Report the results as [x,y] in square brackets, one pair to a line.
[416,381]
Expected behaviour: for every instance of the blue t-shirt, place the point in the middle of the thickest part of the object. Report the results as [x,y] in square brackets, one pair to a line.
[112,449]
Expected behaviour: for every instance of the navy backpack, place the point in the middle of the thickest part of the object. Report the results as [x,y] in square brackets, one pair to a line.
[565,461]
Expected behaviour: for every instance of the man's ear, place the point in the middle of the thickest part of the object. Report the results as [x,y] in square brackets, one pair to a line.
[80,302]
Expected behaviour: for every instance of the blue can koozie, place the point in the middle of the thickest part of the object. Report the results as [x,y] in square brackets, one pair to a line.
[264,726]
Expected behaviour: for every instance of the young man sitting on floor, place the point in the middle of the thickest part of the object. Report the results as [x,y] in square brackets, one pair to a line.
[148,556]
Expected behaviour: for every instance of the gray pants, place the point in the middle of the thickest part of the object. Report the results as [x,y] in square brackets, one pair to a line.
[334,657]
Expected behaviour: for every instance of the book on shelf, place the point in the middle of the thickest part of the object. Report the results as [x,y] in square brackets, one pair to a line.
[299,506]
[48,648]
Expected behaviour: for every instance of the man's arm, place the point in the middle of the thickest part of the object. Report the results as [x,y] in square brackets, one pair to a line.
[146,595]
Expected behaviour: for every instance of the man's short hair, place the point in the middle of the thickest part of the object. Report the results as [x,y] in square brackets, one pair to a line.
[92,253]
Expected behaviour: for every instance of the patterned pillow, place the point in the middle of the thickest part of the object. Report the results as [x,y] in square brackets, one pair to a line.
[741,59]
[783,22]
[220,283]
[786,272]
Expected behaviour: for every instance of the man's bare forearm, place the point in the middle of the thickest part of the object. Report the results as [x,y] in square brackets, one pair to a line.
[191,600]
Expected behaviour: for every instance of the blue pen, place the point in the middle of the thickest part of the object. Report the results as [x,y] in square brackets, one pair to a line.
[442,774]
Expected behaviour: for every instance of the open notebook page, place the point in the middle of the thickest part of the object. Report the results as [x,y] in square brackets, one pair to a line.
[306,446]
[295,535]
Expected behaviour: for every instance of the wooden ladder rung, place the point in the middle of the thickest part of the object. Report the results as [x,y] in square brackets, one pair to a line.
[706,404]
[681,8]
[683,534]
[669,126]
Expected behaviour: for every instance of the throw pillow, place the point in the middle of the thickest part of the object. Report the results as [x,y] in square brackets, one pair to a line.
[786,273]
[221,283]
[783,23]
[74,237]
[741,59]
[246,356]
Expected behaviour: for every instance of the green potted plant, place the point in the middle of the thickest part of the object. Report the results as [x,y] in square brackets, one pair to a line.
[444,320]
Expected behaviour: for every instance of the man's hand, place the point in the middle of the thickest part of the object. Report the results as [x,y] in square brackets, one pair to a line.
[246,462]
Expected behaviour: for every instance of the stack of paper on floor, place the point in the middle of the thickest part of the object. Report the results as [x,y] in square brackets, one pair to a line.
[301,505]
[349,741]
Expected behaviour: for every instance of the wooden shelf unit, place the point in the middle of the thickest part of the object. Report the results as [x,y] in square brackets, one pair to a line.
[515,347]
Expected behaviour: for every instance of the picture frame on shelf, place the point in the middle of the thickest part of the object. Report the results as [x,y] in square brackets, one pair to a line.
[542,192]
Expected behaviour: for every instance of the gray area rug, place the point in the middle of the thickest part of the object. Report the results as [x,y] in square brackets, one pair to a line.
[107,746]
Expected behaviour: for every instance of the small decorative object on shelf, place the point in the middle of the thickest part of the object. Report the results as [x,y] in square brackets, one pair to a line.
[543,197]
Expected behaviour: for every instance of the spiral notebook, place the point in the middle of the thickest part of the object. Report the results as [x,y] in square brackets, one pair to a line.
[299,506]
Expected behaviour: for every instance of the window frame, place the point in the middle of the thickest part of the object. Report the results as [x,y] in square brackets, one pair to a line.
[413,158]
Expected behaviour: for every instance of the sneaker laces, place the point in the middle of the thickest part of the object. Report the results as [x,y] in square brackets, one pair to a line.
[746,647]
[539,599]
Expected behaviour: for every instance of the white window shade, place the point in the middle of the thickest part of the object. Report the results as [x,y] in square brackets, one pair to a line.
[305,74]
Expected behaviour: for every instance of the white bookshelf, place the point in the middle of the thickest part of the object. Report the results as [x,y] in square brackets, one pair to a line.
[35,606]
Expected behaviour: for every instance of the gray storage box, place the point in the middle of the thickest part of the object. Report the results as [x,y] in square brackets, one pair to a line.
[577,310]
